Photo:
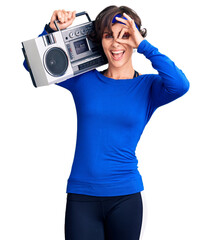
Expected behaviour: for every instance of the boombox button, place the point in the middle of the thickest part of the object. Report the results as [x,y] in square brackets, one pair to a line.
[83,31]
[71,34]
[77,33]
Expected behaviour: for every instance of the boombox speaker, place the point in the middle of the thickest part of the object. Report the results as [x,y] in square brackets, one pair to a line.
[63,54]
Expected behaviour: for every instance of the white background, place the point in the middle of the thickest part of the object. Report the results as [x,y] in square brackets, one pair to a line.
[38,126]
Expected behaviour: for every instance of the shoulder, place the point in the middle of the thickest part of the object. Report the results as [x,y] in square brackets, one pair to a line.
[149,77]
[74,81]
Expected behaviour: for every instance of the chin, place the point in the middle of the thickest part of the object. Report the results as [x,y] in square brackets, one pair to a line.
[118,64]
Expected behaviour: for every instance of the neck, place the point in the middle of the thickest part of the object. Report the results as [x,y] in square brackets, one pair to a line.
[125,72]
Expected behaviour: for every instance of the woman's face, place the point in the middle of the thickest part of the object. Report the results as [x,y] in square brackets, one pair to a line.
[118,54]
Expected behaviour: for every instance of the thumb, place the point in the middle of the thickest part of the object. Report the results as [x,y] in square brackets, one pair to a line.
[124,41]
[54,16]
[120,40]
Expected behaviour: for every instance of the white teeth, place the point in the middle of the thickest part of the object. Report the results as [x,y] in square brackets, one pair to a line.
[117,52]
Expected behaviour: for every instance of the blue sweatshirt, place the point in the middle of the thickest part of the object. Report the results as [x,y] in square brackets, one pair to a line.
[111,116]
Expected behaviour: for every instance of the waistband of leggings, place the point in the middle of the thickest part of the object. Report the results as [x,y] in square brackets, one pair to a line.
[83,197]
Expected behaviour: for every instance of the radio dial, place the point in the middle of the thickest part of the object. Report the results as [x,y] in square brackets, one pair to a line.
[83,31]
[71,34]
[77,33]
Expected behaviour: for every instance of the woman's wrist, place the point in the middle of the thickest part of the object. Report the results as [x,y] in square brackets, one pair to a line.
[143,46]
[49,29]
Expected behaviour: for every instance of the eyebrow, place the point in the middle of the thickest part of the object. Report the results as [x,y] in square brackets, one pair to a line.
[112,33]
[107,32]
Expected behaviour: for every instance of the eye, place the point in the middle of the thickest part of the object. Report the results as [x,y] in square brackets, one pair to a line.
[126,35]
[108,35]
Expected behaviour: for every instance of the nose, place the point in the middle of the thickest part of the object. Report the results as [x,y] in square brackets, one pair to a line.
[115,43]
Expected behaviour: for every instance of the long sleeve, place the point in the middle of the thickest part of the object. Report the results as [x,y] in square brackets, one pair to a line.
[171,83]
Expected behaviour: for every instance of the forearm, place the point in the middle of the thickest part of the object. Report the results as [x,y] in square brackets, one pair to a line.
[172,82]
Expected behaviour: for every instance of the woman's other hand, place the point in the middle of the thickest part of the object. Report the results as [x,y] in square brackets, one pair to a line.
[129,34]
[65,18]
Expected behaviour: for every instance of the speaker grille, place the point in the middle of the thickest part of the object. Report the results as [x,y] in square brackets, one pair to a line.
[56,61]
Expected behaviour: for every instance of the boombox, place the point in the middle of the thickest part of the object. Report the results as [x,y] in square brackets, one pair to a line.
[63,54]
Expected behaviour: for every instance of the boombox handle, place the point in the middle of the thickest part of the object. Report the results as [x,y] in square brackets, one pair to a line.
[77,15]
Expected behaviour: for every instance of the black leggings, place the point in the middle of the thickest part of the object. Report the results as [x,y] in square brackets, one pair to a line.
[103,218]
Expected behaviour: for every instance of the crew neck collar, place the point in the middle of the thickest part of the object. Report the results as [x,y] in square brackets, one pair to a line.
[117,81]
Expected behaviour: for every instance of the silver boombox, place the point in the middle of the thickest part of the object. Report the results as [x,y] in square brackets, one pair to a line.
[60,55]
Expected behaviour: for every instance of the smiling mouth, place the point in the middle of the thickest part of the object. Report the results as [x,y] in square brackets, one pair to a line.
[117,55]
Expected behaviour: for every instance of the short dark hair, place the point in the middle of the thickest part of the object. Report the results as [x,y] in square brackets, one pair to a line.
[105,17]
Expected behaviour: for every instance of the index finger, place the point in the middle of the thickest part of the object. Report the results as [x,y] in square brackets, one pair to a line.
[130,20]
[122,20]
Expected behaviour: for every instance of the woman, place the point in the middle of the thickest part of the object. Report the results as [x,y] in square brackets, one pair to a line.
[113,107]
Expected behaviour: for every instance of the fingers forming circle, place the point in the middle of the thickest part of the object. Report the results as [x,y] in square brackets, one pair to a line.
[123,31]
